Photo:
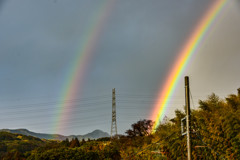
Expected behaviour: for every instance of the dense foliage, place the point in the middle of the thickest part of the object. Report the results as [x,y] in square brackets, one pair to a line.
[13,146]
[215,133]
[215,130]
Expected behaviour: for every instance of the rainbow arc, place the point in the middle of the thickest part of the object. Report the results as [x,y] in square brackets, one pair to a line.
[185,54]
[77,71]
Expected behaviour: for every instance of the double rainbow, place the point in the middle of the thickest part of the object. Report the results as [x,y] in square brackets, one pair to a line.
[185,54]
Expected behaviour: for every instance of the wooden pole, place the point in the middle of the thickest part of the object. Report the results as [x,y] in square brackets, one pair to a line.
[188,118]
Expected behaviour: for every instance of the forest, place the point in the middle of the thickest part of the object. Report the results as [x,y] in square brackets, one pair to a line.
[215,134]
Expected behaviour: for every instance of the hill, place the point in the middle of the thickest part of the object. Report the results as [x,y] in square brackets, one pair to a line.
[22,147]
[92,135]
[17,143]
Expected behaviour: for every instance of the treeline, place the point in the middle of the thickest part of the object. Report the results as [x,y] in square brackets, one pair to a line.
[20,147]
[215,133]
[75,150]
[215,130]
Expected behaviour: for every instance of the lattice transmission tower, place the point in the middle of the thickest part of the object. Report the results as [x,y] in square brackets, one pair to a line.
[114,121]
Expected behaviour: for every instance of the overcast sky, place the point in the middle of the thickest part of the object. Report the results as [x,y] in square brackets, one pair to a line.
[136,47]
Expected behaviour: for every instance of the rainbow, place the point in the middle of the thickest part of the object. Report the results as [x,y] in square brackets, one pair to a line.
[182,60]
[79,65]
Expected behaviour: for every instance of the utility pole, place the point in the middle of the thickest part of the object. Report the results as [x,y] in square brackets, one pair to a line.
[114,121]
[188,118]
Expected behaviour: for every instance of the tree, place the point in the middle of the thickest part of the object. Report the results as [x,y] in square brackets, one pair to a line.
[141,128]
[234,101]
[66,142]
[74,143]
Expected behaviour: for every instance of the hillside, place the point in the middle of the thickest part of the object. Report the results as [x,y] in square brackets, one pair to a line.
[18,143]
[21,147]
[92,135]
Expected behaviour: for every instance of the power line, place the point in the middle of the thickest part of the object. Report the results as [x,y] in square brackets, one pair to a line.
[74,104]
[79,106]
[82,101]
[51,103]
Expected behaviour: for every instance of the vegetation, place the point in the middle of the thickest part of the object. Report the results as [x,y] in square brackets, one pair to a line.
[13,146]
[215,130]
[215,134]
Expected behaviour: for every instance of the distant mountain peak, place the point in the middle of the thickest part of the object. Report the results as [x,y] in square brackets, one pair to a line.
[97,134]
[97,131]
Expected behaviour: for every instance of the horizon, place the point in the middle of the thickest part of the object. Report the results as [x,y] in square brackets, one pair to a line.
[56,133]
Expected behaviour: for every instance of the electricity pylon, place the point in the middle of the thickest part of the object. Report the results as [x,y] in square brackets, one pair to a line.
[114,121]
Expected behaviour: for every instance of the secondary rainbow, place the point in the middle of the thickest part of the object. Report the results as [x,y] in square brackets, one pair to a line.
[77,71]
[185,54]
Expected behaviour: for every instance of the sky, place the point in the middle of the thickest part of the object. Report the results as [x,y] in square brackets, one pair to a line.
[136,45]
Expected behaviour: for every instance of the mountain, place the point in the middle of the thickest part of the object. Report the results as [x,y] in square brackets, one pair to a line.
[97,134]
[93,135]
[38,135]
